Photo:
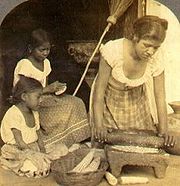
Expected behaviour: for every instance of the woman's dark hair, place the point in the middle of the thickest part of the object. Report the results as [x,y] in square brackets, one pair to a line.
[150,27]
[24,85]
[38,37]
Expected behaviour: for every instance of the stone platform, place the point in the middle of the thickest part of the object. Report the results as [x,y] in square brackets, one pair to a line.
[117,159]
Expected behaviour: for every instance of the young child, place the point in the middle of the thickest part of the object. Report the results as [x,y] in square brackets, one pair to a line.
[24,152]
[64,117]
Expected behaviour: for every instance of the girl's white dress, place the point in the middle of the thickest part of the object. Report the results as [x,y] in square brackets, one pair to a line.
[29,162]
[15,119]
[22,162]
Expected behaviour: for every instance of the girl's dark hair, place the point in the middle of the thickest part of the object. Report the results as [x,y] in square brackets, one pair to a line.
[24,85]
[38,37]
[150,27]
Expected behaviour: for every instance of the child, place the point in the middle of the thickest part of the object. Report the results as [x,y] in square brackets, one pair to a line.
[37,65]
[23,151]
[63,118]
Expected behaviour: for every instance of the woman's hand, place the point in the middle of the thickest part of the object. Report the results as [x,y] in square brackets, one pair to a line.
[169,139]
[55,87]
[100,133]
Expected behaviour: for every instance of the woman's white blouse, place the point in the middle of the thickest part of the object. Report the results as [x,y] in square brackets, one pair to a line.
[112,52]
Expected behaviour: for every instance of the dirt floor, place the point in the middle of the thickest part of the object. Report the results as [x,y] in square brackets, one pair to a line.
[172,176]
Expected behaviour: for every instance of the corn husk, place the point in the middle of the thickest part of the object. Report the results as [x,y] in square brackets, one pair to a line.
[125,180]
[93,166]
[85,162]
[112,180]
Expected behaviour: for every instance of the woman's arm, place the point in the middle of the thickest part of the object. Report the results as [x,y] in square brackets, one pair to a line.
[98,99]
[19,140]
[159,92]
[160,98]
[55,87]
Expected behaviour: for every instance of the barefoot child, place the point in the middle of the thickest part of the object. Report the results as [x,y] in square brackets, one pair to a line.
[24,152]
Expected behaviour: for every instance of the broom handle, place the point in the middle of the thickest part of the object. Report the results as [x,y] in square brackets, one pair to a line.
[91,112]
[92,56]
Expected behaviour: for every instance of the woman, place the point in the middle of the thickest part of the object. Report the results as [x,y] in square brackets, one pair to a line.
[120,99]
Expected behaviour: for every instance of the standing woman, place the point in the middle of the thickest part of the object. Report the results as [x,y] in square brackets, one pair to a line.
[120,99]
[63,118]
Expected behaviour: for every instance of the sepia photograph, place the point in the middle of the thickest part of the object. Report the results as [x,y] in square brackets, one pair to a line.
[89,92]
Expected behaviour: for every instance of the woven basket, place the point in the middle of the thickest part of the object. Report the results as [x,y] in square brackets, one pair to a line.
[60,169]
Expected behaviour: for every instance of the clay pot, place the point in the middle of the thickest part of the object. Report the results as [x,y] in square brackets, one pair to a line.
[175,105]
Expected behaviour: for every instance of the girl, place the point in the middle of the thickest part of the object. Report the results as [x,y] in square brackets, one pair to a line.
[23,151]
[63,118]
[122,88]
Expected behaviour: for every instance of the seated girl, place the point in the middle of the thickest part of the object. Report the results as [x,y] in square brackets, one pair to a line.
[23,151]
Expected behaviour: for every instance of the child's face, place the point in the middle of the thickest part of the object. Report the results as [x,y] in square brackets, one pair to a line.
[146,48]
[32,99]
[40,53]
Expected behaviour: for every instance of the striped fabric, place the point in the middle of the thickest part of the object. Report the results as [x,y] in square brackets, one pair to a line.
[64,118]
[127,109]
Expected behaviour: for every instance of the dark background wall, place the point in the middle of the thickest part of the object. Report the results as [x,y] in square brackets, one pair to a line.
[174,5]
[74,20]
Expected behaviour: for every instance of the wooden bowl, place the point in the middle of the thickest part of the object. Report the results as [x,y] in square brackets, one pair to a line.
[175,105]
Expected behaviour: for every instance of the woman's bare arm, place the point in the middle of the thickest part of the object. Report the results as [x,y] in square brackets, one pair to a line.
[159,92]
[54,87]
[98,99]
